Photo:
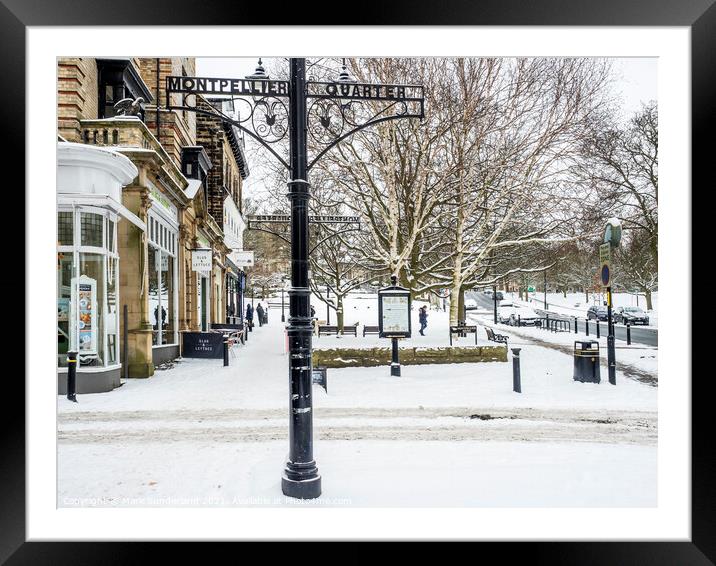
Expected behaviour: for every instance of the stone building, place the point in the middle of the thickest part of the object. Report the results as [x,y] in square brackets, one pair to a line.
[134,208]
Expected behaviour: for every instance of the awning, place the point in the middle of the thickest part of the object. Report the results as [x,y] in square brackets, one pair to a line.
[103,201]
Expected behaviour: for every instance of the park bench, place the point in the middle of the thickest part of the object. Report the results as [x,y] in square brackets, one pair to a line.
[351,329]
[327,329]
[492,337]
[370,330]
[462,330]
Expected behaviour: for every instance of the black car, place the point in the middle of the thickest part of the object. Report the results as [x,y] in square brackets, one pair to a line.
[498,296]
[597,313]
[632,315]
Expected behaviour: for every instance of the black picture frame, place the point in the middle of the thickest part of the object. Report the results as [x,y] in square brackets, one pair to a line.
[698,15]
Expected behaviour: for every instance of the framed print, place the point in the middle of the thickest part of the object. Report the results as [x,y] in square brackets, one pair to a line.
[163,127]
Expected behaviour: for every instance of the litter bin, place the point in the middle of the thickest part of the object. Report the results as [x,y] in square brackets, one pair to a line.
[586,361]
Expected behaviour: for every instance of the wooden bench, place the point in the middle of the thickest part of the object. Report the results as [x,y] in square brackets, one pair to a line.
[333,329]
[327,329]
[351,329]
[370,330]
[495,337]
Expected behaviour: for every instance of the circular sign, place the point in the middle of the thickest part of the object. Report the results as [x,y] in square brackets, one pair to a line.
[605,275]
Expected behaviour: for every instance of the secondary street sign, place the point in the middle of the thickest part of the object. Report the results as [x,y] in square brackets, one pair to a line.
[605,257]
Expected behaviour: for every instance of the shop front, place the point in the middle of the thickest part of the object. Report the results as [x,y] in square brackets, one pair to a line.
[89,189]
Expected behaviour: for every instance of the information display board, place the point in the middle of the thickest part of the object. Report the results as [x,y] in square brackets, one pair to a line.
[394,312]
[84,316]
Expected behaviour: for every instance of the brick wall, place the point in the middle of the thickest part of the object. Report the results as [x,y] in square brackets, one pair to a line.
[76,95]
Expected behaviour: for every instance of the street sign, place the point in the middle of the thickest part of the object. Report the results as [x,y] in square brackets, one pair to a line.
[605,275]
[531,289]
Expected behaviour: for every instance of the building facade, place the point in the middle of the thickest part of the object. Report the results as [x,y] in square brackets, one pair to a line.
[144,236]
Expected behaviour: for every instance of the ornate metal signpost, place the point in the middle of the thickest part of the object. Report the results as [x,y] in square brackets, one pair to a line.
[328,112]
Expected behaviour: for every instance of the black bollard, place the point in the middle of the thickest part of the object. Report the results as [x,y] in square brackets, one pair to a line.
[226,350]
[628,334]
[516,377]
[71,376]
[547,322]
[575,325]
[519,320]
[586,326]
[598,336]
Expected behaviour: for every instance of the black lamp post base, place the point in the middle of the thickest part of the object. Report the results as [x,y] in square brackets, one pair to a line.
[307,488]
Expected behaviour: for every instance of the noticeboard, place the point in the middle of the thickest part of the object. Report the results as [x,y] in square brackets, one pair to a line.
[394,306]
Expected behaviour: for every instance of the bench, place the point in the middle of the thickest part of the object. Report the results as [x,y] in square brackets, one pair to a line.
[333,329]
[370,330]
[492,337]
[351,329]
[461,330]
[327,329]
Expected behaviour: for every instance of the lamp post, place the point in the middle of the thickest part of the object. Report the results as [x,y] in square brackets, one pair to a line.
[545,289]
[328,306]
[277,108]
[494,301]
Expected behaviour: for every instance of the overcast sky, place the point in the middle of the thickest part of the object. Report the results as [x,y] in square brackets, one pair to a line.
[635,83]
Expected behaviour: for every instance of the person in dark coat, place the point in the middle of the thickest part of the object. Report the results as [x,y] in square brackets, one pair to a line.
[260,314]
[423,317]
[249,314]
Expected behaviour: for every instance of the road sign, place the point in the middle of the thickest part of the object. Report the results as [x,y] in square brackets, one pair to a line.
[531,289]
[605,275]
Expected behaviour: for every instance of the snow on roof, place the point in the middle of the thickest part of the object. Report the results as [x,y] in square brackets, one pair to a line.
[192,188]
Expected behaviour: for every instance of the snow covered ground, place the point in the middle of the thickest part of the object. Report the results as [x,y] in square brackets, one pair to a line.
[440,435]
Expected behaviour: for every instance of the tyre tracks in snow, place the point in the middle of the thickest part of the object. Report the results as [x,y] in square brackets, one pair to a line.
[399,424]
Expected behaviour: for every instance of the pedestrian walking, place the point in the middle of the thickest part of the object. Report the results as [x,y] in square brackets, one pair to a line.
[250,315]
[423,318]
[260,314]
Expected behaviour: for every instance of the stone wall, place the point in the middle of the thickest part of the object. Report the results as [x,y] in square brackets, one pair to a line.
[371,357]
[76,95]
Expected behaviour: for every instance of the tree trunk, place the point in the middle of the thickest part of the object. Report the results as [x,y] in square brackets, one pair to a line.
[647,294]
[339,312]
[461,305]
[455,299]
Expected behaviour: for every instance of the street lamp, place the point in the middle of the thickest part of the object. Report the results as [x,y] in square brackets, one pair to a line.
[300,478]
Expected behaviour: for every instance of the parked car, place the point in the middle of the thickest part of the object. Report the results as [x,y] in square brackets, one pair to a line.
[632,315]
[524,316]
[470,304]
[498,295]
[504,310]
[597,313]
[488,291]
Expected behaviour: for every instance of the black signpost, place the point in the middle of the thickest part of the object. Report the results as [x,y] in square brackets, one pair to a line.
[328,112]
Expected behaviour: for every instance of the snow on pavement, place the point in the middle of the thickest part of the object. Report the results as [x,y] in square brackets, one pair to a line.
[189,429]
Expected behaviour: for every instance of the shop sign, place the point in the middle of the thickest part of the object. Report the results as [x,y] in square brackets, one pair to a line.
[161,199]
[201,260]
[243,259]
[202,345]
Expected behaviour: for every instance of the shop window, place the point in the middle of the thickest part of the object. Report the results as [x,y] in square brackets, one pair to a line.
[65,228]
[92,226]
[110,236]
